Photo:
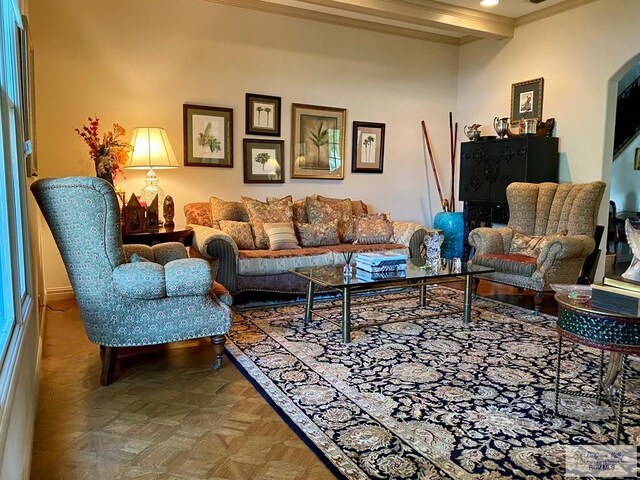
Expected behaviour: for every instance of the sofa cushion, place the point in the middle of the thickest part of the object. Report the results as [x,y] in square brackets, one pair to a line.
[516,264]
[323,212]
[531,245]
[299,208]
[318,234]
[224,210]
[240,232]
[281,236]
[262,212]
[265,262]
[371,229]
[357,206]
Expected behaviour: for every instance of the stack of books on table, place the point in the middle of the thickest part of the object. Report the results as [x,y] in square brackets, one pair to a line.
[380,265]
[618,295]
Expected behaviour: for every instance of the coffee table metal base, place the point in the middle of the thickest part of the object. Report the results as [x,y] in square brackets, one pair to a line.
[346,295]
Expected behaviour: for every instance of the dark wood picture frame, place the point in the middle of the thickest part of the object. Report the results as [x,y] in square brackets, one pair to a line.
[203,148]
[367,145]
[318,142]
[27,96]
[253,148]
[254,119]
[526,100]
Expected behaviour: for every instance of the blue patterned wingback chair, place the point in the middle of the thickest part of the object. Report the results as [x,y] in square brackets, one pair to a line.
[127,303]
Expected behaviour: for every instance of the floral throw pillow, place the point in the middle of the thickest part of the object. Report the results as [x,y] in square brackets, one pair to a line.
[318,234]
[281,236]
[240,232]
[531,245]
[357,206]
[323,212]
[299,208]
[371,229]
[261,213]
[224,210]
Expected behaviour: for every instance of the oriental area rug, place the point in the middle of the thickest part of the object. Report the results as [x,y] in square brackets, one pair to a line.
[429,398]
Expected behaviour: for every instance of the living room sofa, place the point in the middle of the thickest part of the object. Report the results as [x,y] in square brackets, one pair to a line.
[264,270]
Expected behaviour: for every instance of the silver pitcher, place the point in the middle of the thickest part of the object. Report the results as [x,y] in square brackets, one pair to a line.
[472,132]
[501,126]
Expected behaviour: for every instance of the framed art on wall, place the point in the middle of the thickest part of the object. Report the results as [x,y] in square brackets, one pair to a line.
[636,160]
[208,136]
[27,93]
[526,100]
[318,142]
[367,147]
[263,161]
[263,115]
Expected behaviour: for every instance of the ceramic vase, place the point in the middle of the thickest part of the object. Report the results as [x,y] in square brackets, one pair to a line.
[452,226]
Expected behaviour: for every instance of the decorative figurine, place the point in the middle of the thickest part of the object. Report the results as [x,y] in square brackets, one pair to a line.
[153,216]
[633,237]
[168,210]
[134,216]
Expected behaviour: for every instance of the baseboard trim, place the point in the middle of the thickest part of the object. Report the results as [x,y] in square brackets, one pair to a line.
[59,293]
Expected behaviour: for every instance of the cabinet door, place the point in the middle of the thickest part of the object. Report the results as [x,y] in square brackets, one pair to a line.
[474,183]
[511,161]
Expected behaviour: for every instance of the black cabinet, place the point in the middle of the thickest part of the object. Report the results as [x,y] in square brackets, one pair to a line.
[488,167]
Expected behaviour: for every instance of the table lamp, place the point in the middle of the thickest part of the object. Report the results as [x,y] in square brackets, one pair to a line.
[151,150]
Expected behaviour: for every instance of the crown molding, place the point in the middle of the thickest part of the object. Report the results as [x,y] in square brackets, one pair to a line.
[550,11]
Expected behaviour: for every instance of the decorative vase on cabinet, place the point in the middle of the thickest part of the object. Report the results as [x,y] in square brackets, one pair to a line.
[452,226]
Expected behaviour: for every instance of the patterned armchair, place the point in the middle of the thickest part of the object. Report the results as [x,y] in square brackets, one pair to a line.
[549,236]
[122,303]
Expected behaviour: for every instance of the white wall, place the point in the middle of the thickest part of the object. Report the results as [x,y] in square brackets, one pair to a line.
[138,62]
[581,54]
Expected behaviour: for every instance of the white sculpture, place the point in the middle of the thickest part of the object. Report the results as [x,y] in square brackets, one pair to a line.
[633,238]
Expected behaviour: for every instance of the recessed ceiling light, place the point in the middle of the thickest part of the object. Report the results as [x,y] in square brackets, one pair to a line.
[489,3]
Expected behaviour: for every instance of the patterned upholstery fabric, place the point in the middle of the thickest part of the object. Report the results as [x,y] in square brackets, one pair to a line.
[531,245]
[84,218]
[281,236]
[261,213]
[323,212]
[373,228]
[198,212]
[240,232]
[357,206]
[265,262]
[190,276]
[204,236]
[546,209]
[318,234]
[299,208]
[338,250]
[225,210]
[517,264]
[141,280]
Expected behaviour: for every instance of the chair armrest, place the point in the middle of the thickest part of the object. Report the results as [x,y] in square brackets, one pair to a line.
[140,280]
[562,248]
[189,276]
[491,240]
[211,243]
[409,234]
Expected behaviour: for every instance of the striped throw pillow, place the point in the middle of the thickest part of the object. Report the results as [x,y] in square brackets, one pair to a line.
[281,236]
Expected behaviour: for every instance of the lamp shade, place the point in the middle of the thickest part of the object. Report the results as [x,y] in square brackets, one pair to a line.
[151,149]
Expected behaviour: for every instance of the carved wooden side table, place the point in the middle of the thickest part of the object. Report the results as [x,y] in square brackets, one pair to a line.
[164,234]
[606,331]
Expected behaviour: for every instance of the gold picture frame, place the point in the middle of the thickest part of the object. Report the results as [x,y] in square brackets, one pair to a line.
[318,142]
[526,100]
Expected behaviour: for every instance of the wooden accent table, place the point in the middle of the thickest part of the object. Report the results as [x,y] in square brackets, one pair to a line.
[178,233]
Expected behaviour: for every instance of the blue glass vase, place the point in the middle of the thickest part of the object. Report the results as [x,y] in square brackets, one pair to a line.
[452,226]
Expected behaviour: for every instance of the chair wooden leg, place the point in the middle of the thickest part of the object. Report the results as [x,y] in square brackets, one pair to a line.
[108,365]
[537,301]
[218,348]
[474,288]
[520,290]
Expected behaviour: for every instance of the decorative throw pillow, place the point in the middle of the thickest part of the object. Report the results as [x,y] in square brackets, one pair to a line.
[357,206]
[240,232]
[531,245]
[323,212]
[224,210]
[135,258]
[299,208]
[281,236]
[375,228]
[198,213]
[318,234]
[261,213]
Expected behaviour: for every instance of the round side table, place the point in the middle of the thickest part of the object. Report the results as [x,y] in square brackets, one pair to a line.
[606,331]
[178,233]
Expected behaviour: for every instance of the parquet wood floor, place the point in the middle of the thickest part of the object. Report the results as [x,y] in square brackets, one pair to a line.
[167,416]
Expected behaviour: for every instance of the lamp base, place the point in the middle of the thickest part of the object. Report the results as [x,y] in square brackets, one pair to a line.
[151,189]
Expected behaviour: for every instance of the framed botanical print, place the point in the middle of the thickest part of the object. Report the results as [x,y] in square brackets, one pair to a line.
[318,142]
[526,100]
[208,136]
[263,161]
[367,147]
[263,115]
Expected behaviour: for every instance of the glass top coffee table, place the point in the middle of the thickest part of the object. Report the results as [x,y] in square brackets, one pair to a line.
[332,277]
